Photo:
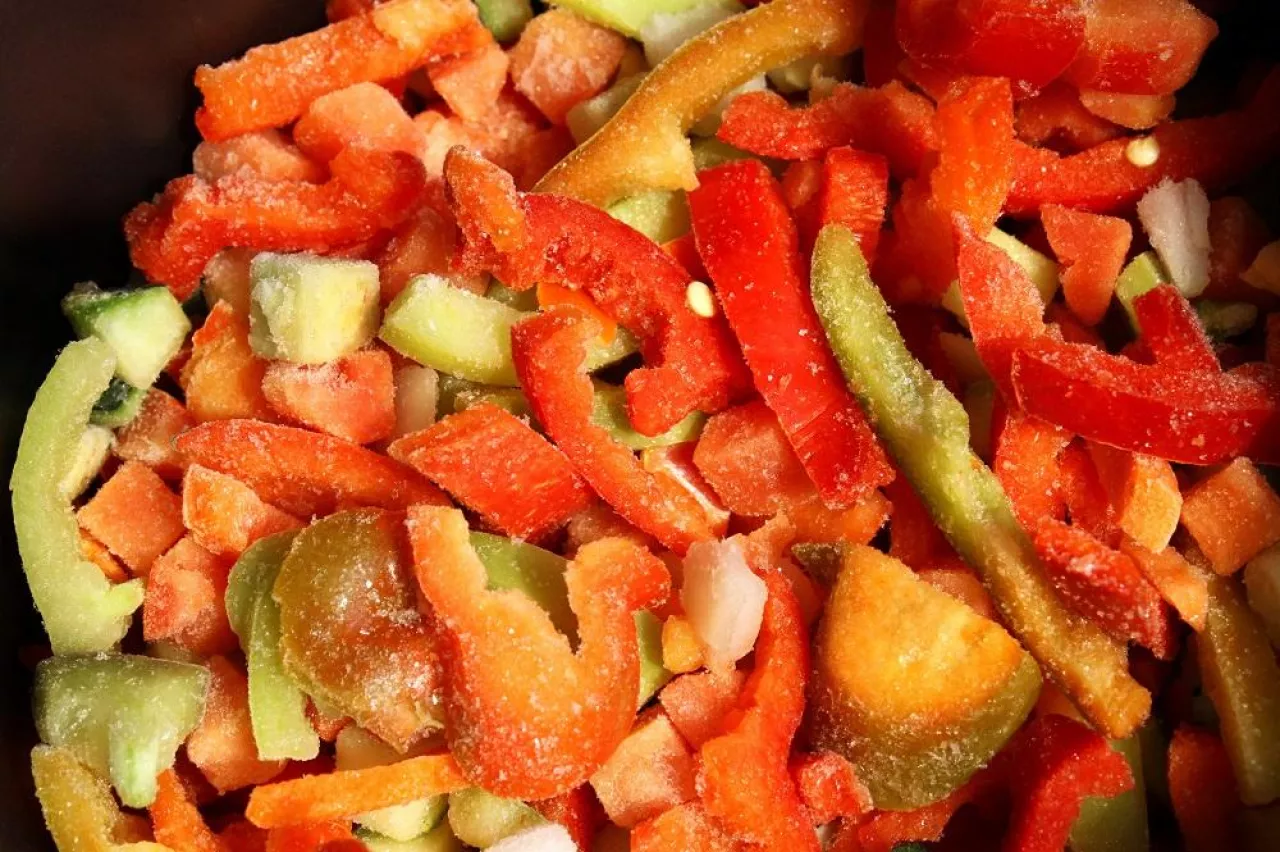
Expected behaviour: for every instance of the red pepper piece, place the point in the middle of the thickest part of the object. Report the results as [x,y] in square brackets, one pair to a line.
[683,828]
[496,465]
[975,165]
[853,193]
[1029,41]
[1092,250]
[685,252]
[528,717]
[1105,586]
[351,397]
[305,473]
[748,242]
[549,350]
[1026,461]
[1217,151]
[891,120]
[913,536]
[1172,331]
[173,239]
[691,361]
[829,787]
[1193,418]
[886,829]
[1203,788]
[577,810]
[1088,503]
[1057,120]
[801,186]
[1056,763]
[1141,47]
[743,775]
[746,459]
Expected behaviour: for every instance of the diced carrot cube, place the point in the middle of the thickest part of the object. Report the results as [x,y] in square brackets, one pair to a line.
[265,154]
[224,515]
[681,651]
[748,461]
[184,600]
[365,114]
[829,787]
[1144,493]
[698,702]
[470,83]
[562,59]
[222,746]
[1233,515]
[135,515]
[353,397]
[149,437]
[96,552]
[525,486]
[223,379]
[1177,581]
[649,772]
[1092,249]
[962,585]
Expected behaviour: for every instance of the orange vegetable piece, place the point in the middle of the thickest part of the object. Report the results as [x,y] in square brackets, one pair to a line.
[550,295]
[226,279]
[699,703]
[1056,119]
[913,536]
[1092,249]
[1233,515]
[687,826]
[135,515]
[562,59]
[858,524]
[1143,491]
[651,771]
[148,438]
[425,243]
[96,552]
[685,252]
[243,836]
[964,586]
[365,114]
[177,822]
[1088,504]
[528,717]
[801,185]
[265,154]
[854,191]
[675,464]
[353,397]
[493,463]
[1136,112]
[599,521]
[305,473]
[1026,462]
[975,164]
[344,794]
[222,746]
[829,787]
[1202,787]
[1185,588]
[326,727]
[745,457]
[470,83]
[224,515]
[681,651]
[886,829]
[223,378]
[184,601]
[272,84]
[311,837]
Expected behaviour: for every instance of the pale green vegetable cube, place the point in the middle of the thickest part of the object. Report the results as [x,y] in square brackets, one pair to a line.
[309,309]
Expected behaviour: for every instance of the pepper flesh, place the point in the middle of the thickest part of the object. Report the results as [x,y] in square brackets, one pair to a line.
[78,807]
[644,147]
[927,432]
[527,717]
[82,611]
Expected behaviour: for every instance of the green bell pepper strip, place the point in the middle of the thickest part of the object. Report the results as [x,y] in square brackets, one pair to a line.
[123,716]
[277,707]
[926,430]
[82,611]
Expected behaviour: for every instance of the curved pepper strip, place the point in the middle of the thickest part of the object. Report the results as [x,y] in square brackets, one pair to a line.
[748,241]
[1173,332]
[1218,151]
[172,240]
[692,362]
[743,775]
[549,351]
[527,717]
[644,147]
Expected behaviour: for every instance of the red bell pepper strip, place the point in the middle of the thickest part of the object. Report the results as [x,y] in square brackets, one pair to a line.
[691,361]
[1192,418]
[1091,249]
[528,717]
[853,192]
[549,350]
[975,164]
[305,473]
[1029,41]
[1026,461]
[1141,47]
[496,465]
[171,240]
[1217,151]
[748,241]
[891,121]
[884,830]
[743,775]
[1172,331]
[1105,586]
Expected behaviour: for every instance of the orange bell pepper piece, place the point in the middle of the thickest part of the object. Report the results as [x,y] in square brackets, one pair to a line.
[562,59]
[1026,462]
[1233,515]
[746,459]
[829,787]
[148,438]
[184,601]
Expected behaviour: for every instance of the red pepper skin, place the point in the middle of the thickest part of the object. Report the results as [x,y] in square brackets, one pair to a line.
[525,487]
[369,191]
[1029,41]
[1104,586]
[891,120]
[691,361]
[1026,461]
[1192,418]
[1173,332]
[549,350]
[748,241]
[528,717]
[853,192]
[1055,763]
[829,787]
[1141,47]
[1217,151]
[975,163]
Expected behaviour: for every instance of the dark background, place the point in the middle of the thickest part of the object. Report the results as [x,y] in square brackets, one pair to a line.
[95,105]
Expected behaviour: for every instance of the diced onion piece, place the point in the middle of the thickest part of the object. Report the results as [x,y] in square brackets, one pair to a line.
[1176,219]
[551,837]
[417,397]
[723,600]
[664,32]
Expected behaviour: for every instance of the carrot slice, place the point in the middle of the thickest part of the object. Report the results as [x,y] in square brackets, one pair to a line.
[353,397]
[224,515]
[176,820]
[346,794]
[305,473]
[135,515]
[272,84]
